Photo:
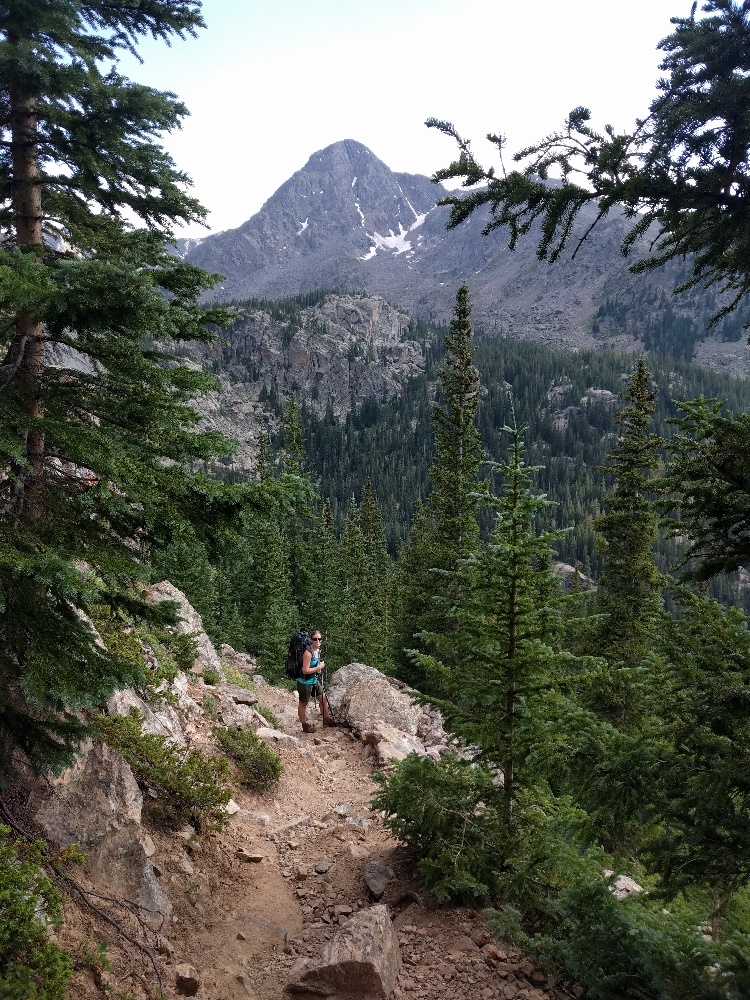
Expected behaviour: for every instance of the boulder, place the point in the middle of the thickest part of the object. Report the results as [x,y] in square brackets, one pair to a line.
[239,695]
[277,739]
[361,695]
[430,728]
[240,663]
[235,708]
[239,716]
[622,886]
[362,957]
[179,688]
[189,622]
[377,878]
[161,721]
[97,805]
[187,980]
[383,711]
[390,744]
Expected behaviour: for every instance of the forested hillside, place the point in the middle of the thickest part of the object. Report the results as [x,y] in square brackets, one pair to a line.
[567,403]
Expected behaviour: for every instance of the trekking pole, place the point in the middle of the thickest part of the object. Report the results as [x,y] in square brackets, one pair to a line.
[326,700]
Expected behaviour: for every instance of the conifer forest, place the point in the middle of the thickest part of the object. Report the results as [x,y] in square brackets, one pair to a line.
[572,594]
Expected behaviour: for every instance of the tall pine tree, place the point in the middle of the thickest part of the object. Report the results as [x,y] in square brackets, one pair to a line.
[509,644]
[629,597]
[95,422]
[379,573]
[300,524]
[445,530]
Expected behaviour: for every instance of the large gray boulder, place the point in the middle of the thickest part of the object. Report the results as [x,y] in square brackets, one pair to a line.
[96,804]
[240,663]
[236,707]
[386,716]
[362,696]
[189,622]
[390,744]
[362,958]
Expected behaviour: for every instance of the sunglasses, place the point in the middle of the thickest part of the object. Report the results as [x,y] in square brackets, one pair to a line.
[317,638]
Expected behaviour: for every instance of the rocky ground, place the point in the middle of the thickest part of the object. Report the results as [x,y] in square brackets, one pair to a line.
[251,903]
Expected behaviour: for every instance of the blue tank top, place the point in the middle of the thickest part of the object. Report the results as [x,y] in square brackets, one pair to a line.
[313,663]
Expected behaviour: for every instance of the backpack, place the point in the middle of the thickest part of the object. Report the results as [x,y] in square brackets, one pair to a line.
[299,642]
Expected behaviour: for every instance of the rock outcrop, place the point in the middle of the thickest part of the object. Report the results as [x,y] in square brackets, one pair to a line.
[189,622]
[160,721]
[383,713]
[96,804]
[363,957]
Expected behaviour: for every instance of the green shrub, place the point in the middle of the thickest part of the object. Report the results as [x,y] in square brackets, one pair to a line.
[259,767]
[632,949]
[191,787]
[268,716]
[30,964]
[183,647]
[444,812]
[173,651]
[211,677]
[210,707]
[118,635]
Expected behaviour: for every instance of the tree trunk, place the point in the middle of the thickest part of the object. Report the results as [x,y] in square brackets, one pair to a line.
[26,353]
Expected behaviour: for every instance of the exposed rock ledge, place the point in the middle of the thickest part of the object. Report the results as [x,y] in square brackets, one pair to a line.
[384,714]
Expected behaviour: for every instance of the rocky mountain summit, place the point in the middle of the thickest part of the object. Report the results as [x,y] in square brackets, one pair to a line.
[303,893]
[347,221]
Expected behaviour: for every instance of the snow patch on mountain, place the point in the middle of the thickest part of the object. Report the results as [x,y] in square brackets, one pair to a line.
[397,243]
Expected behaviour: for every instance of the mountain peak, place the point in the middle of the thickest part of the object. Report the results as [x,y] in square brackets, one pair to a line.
[329,220]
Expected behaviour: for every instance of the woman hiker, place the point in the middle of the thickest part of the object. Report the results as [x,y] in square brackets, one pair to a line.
[308,685]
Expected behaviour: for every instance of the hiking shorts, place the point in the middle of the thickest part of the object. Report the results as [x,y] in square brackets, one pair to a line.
[308,691]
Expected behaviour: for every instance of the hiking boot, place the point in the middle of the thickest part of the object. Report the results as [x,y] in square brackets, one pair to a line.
[307,727]
[328,722]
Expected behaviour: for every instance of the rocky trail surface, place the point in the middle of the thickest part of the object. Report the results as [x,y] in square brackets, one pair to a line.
[303,893]
[252,904]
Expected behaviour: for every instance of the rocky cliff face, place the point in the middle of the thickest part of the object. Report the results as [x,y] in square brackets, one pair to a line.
[303,892]
[335,353]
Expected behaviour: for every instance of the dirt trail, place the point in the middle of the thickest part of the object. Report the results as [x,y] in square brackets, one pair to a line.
[246,925]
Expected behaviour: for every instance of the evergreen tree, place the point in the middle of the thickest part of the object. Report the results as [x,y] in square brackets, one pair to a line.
[95,420]
[300,524]
[356,622]
[413,590]
[294,446]
[378,569]
[629,594]
[682,172]
[707,484]
[702,800]
[453,501]
[508,642]
[326,600]
[447,529]
[184,561]
[262,462]
[273,616]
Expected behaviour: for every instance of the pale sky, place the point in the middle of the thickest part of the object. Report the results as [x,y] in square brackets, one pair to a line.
[272,81]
